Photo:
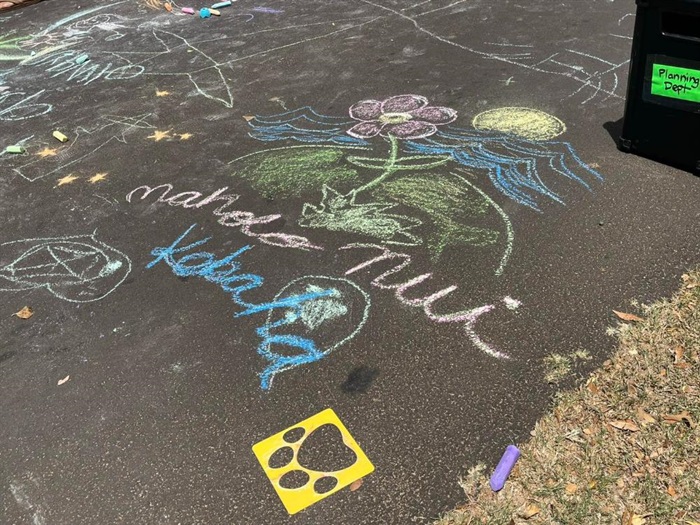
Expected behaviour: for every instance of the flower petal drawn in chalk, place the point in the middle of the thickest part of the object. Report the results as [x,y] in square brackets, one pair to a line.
[405,117]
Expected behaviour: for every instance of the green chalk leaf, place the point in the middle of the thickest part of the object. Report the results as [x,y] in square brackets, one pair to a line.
[293,171]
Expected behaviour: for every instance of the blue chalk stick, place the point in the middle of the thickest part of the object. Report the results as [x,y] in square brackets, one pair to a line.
[82,59]
[204,13]
[219,5]
[499,476]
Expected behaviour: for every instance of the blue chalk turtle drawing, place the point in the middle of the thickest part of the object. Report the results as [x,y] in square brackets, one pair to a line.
[307,332]
[78,269]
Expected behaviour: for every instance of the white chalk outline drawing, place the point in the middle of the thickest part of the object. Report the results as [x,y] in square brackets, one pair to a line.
[36,168]
[50,267]
[567,59]
[14,111]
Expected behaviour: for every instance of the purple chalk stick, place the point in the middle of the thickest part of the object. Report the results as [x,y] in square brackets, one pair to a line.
[500,475]
[188,10]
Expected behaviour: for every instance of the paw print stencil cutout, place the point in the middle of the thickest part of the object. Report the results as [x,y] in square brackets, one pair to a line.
[299,486]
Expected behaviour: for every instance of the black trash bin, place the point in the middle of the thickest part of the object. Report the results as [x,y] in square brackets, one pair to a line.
[662,114]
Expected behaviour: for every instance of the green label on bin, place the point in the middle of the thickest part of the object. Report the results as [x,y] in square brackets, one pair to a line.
[676,82]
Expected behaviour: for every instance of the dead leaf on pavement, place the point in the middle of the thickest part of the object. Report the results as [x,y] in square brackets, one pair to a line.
[25,313]
[627,317]
[680,418]
[571,488]
[627,424]
[64,380]
[672,492]
[356,485]
[644,417]
[530,511]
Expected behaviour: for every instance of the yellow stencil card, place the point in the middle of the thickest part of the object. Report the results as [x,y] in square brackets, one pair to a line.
[320,485]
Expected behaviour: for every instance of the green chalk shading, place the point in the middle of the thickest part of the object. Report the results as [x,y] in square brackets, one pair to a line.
[294,171]
[14,149]
[338,212]
[452,206]
[676,82]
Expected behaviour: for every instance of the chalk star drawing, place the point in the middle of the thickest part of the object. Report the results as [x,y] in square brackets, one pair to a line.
[316,327]
[160,135]
[110,129]
[77,269]
[67,180]
[185,136]
[97,178]
[47,152]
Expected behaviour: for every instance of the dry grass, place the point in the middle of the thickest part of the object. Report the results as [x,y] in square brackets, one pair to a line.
[609,453]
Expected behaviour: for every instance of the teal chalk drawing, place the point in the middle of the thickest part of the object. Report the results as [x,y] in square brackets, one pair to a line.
[77,269]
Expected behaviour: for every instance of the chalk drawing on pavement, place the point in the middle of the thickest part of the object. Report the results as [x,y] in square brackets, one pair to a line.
[412,195]
[317,484]
[313,315]
[315,327]
[77,269]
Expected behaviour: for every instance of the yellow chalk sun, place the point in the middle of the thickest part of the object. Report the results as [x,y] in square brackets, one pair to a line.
[530,124]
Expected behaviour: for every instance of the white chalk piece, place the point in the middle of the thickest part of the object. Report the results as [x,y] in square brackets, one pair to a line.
[215,12]
[60,136]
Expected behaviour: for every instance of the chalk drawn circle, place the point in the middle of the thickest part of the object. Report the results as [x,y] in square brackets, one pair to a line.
[281,457]
[325,484]
[530,124]
[294,434]
[294,479]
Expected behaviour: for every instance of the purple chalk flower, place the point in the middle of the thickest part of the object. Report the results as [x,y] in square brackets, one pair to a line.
[402,116]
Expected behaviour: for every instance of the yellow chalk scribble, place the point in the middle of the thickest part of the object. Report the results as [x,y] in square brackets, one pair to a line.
[292,439]
[162,93]
[160,135]
[47,152]
[530,124]
[67,180]
[185,136]
[97,178]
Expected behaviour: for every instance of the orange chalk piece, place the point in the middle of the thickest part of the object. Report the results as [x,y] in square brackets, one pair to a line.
[60,136]
[168,7]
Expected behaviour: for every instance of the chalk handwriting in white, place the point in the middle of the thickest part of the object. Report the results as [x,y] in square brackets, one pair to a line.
[244,220]
[403,260]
